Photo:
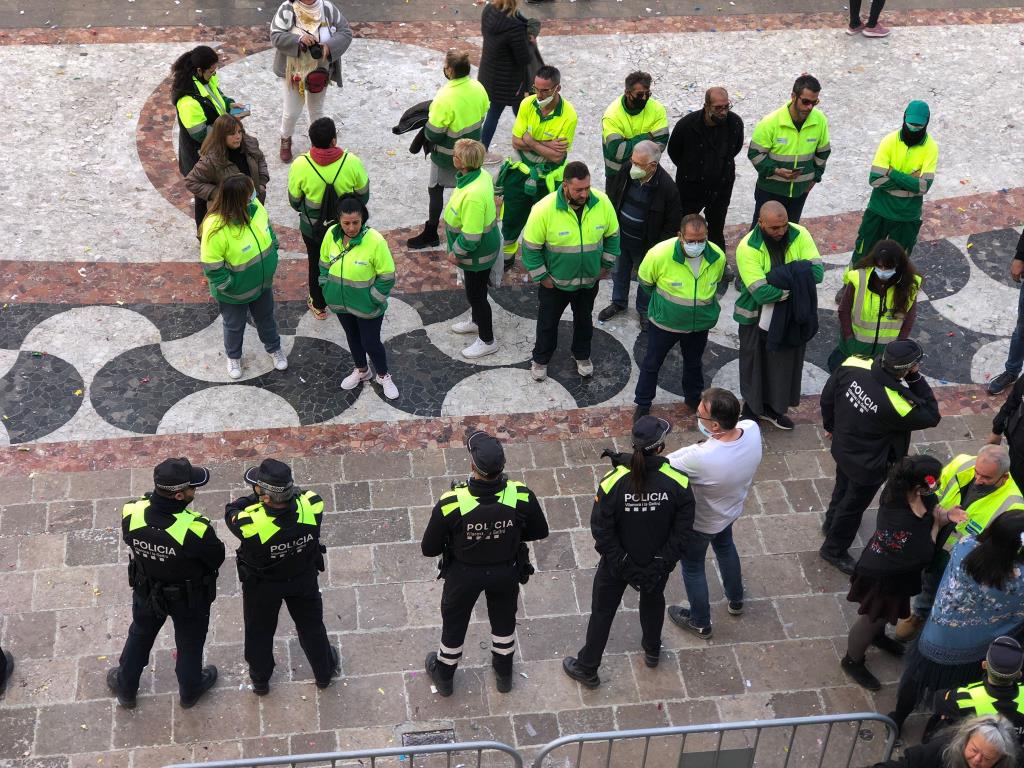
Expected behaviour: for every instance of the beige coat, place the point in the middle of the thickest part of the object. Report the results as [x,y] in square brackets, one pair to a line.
[203,180]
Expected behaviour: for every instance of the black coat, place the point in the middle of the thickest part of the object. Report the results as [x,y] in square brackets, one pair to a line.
[505,56]
[699,168]
[795,321]
[1009,421]
[666,211]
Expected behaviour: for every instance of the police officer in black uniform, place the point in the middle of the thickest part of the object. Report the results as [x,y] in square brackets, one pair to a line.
[175,554]
[479,530]
[6,669]
[279,560]
[641,520]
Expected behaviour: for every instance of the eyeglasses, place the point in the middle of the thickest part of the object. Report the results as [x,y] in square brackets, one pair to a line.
[721,107]
[808,102]
[640,94]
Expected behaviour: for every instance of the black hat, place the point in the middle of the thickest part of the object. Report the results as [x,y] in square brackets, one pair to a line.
[272,475]
[173,475]
[902,353]
[1005,657]
[649,431]
[486,451]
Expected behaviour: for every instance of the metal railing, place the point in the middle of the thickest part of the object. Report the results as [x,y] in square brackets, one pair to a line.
[825,741]
[423,755]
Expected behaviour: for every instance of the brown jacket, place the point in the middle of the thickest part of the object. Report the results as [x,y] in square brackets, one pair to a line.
[203,180]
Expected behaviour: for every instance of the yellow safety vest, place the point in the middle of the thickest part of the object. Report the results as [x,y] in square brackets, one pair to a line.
[184,521]
[957,474]
[874,321]
[261,524]
[460,498]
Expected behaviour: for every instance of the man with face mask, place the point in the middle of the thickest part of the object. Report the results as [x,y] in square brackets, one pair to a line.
[901,173]
[869,410]
[647,204]
[681,275]
[633,117]
[703,146]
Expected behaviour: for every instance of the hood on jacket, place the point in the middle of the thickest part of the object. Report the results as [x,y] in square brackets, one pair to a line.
[494,22]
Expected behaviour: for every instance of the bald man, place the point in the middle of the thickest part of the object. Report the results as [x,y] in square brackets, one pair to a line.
[770,388]
[703,146]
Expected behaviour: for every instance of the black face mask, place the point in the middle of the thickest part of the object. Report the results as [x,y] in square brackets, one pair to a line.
[912,138]
[636,102]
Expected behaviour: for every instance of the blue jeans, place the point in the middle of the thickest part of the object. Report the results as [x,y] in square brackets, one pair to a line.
[624,265]
[491,120]
[695,581]
[659,344]
[234,316]
[1015,359]
[363,337]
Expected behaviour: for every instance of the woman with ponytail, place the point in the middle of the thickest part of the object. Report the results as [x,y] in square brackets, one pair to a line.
[642,518]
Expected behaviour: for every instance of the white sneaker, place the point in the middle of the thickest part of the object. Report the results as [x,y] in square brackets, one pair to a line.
[280,361]
[466,326]
[584,368]
[480,348]
[390,390]
[538,371]
[355,378]
[235,368]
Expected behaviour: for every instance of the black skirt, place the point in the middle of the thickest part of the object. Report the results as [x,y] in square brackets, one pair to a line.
[884,597]
[924,677]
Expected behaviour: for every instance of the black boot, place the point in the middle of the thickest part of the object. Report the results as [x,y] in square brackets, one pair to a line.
[444,686]
[335,669]
[114,684]
[502,682]
[426,239]
[887,644]
[860,673]
[572,668]
[209,677]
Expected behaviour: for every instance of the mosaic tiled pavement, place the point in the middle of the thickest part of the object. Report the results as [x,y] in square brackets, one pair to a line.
[110,359]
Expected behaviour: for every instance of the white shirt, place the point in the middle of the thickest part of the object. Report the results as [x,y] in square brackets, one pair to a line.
[720,476]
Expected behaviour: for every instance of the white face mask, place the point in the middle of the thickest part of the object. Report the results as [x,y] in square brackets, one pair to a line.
[693,250]
[542,103]
[885,274]
[637,172]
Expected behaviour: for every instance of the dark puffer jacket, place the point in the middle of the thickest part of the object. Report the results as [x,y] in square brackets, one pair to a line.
[505,56]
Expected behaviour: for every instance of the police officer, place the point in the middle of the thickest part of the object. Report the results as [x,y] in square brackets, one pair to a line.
[1001,692]
[174,557]
[278,561]
[641,520]
[868,409]
[6,669]
[479,530]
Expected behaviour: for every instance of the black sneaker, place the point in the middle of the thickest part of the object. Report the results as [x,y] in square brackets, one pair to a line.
[860,673]
[780,420]
[680,616]
[426,239]
[335,669]
[998,383]
[8,671]
[640,410]
[609,312]
[206,682]
[445,687]
[888,644]
[260,687]
[652,659]
[503,682]
[843,562]
[572,668]
[735,607]
[126,701]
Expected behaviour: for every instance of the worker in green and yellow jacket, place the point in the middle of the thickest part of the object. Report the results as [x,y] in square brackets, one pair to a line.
[357,273]
[630,119]
[901,174]
[681,275]
[470,221]
[238,251]
[789,150]
[456,112]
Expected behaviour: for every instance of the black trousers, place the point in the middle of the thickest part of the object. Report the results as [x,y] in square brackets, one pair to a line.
[604,604]
[794,205]
[874,13]
[313,262]
[551,304]
[715,205]
[462,587]
[190,627]
[476,295]
[200,213]
[849,500]
[261,605]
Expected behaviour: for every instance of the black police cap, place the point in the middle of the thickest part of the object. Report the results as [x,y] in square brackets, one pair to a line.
[173,475]
[486,451]
[271,475]
[1005,656]
[648,431]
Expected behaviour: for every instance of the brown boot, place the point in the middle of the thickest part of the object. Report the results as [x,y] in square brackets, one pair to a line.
[286,150]
[909,628]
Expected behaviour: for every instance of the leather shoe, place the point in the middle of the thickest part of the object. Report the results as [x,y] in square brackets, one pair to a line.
[335,669]
[572,668]
[209,677]
[126,701]
[609,312]
[843,562]
[445,687]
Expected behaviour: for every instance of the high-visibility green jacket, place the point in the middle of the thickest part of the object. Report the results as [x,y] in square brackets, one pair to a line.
[239,261]
[470,222]
[622,130]
[896,194]
[571,250]
[357,278]
[195,114]
[955,476]
[754,263]
[680,300]
[457,112]
[874,321]
[777,143]
[560,124]
[306,189]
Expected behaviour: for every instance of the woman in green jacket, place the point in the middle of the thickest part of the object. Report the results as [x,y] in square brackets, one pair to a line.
[357,274]
[238,251]
[474,240]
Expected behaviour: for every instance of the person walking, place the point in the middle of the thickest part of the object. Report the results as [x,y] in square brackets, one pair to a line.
[704,145]
[872,28]
[888,572]
[456,112]
[357,273]
[238,252]
[228,150]
[681,275]
[869,410]
[479,529]
[570,242]
[633,117]
[721,470]
[1015,356]
[901,174]
[641,520]
[174,557]
[473,238]
[504,61]
[316,182]
[309,38]
[279,558]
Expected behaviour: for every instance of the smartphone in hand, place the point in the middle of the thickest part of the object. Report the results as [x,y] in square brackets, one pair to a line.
[242,111]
